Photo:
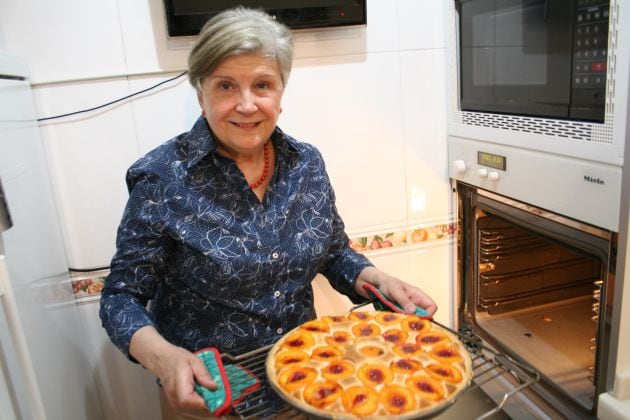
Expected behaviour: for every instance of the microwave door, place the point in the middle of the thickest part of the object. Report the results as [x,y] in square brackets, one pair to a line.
[516,56]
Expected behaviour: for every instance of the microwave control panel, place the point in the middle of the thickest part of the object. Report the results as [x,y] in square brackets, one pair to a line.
[590,56]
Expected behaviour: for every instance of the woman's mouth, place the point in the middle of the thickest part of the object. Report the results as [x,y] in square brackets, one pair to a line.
[245,125]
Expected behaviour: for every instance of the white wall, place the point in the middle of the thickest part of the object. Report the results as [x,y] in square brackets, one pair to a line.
[372,99]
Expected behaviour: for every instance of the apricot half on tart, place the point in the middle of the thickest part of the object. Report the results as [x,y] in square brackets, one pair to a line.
[359,316]
[373,374]
[296,377]
[445,372]
[372,351]
[339,338]
[446,353]
[339,369]
[415,324]
[426,387]
[407,349]
[290,357]
[360,401]
[326,353]
[432,338]
[387,318]
[322,393]
[407,366]
[396,399]
[334,319]
[365,329]
[316,326]
[299,340]
[395,336]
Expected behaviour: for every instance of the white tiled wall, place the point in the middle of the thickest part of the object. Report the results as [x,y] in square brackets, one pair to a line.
[87,157]
[424,119]
[159,117]
[421,24]
[64,40]
[353,114]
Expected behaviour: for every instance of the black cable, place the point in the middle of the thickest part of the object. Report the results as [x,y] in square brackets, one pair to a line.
[114,101]
[88,270]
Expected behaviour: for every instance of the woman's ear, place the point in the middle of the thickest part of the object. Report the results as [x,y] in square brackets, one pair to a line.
[200,99]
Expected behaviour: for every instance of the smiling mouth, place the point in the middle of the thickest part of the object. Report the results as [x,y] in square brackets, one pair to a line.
[246,125]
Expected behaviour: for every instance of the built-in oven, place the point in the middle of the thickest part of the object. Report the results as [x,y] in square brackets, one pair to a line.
[535,267]
[537,194]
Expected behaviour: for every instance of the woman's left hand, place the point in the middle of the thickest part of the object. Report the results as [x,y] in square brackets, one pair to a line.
[404,294]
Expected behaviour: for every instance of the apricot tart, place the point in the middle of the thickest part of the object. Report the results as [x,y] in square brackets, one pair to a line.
[369,365]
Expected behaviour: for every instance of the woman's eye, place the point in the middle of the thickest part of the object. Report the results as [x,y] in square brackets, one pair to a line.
[224,86]
[263,85]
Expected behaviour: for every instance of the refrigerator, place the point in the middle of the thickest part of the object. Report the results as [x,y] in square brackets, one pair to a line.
[44,373]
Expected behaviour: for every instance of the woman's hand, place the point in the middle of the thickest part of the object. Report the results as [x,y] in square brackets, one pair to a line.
[404,294]
[177,368]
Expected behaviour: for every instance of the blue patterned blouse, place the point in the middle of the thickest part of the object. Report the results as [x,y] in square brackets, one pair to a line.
[219,267]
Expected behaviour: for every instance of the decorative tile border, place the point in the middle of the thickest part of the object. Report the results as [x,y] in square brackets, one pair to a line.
[87,286]
[403,238]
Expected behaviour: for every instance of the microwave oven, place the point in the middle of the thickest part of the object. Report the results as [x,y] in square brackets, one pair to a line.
[546,75]
[545,58]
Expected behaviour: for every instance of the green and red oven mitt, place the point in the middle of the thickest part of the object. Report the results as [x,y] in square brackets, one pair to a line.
[383,303]
[234,382]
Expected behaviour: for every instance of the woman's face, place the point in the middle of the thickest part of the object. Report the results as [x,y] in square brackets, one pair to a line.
[241,100]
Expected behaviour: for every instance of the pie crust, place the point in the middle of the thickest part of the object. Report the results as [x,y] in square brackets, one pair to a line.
[369,365]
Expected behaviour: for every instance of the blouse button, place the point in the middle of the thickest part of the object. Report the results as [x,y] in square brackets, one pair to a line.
[279,330]
[276,293]
[275,255]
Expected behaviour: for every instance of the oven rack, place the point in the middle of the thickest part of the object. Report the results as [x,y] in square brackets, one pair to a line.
[488,365]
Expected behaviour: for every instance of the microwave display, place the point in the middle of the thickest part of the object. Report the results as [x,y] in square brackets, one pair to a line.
[491,160]
[545,58]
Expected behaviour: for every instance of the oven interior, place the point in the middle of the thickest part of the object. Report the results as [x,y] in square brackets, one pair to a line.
[535,288]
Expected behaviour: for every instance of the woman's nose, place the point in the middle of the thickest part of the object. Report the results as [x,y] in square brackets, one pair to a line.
[247,102]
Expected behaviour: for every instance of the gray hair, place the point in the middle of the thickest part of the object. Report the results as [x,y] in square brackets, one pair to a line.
[239,31]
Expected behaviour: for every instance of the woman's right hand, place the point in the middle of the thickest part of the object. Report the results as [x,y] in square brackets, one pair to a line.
[177,368]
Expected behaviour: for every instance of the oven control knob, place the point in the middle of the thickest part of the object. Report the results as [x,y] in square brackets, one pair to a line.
[483,172]
[493,176]
[459,166]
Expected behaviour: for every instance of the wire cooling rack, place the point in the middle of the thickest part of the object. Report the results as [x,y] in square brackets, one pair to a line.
[488,365]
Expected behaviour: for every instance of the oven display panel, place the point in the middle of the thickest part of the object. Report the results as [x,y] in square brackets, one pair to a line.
[491,160]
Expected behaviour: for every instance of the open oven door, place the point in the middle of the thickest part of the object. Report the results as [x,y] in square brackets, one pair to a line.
[537,286]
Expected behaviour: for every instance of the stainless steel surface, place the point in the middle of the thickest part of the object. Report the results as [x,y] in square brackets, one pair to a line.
[5,216]
[533,329]
[488,365]
[593,230]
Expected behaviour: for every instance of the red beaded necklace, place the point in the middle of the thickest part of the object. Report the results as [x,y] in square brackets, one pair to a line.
[265,168]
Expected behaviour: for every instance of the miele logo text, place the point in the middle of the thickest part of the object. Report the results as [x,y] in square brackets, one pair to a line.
[593,180]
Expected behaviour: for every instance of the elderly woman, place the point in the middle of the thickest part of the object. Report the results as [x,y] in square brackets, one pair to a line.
[227,225]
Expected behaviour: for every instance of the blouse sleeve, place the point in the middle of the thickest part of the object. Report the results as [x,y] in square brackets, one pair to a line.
[137,266]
